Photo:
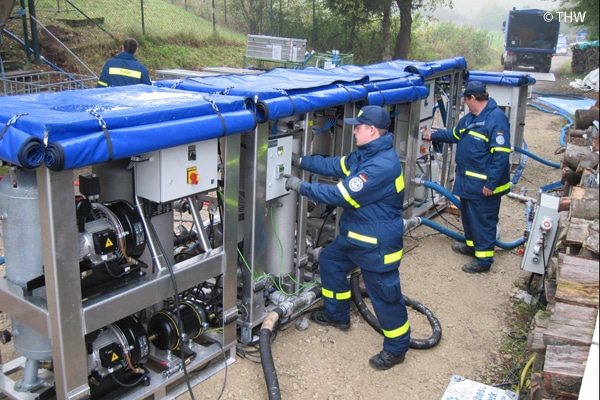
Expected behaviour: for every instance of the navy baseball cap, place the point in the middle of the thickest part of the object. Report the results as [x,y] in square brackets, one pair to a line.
[371,115]
[473,88]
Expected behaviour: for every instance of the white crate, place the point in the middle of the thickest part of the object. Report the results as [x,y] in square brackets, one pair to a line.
[276,48]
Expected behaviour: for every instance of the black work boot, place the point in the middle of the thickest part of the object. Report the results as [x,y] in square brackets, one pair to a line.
[319,317]
[461,248]
[385,360]
[474,267]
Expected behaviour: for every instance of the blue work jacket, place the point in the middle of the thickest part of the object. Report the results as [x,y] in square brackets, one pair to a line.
[123,70]
[371,192]
[482,152]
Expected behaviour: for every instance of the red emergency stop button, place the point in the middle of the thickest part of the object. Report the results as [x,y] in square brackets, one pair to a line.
[192,176]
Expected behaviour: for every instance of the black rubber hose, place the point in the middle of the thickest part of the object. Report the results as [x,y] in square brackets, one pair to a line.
[436,335]
[266,356]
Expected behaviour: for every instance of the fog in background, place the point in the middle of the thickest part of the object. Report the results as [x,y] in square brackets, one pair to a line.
[488,14]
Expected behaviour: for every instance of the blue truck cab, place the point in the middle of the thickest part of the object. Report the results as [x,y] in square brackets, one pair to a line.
[530,38]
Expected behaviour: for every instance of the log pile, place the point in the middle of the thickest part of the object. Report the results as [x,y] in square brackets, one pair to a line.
[584,59]
[561,335]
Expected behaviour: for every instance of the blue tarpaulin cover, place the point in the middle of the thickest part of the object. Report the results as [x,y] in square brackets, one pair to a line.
[283,92]
[75,128]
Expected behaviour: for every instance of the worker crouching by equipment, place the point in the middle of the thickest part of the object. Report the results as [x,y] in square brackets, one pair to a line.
[371,191]
[482,140]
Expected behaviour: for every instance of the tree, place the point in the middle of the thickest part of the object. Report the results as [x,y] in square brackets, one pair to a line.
[590,8]
[406,8]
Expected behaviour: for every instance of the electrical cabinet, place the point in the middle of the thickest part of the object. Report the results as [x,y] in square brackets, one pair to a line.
[279,163]
[542,237]
[177,172]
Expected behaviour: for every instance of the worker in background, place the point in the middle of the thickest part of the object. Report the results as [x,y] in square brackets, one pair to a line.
[482,140]
[371,191]
[124,69]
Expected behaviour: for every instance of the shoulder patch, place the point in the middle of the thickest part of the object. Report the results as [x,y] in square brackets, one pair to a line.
[355,184]
[500,140]
[363,177]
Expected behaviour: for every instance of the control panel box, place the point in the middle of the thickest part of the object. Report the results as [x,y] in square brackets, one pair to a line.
[542,237]
[279,163]
[182,171]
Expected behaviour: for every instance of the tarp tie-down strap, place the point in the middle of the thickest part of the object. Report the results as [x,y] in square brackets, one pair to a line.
[378,89]
[214,106]
[283,92]
[106,134]
[10,122]
[347,90]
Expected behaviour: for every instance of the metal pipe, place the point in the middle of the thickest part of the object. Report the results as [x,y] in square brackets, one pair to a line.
[157,257]
[202,235]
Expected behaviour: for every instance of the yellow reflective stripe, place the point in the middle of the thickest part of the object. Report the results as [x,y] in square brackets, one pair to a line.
[504,149]
[393,257]
[362,238]
[335,296]
[502,188]
[400,183]
[484,254]
[476,175]
[346,195]
[343,166]
[125,72]
[102,83]
[470,243]
[479,135]
[454,133]
[396,332]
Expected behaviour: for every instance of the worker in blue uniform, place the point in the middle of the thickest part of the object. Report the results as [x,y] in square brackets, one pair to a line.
[482,175]
[371,229]
[124,69]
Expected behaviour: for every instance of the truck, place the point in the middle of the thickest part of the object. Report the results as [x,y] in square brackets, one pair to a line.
[530,37]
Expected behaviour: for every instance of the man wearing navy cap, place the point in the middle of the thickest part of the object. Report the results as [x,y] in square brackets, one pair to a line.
[371,191]
[482,140]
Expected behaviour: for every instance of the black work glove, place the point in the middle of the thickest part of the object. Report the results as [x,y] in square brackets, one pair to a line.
[295,160]
[293,183]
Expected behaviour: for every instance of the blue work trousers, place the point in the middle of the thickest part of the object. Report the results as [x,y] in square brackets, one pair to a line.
[383,289]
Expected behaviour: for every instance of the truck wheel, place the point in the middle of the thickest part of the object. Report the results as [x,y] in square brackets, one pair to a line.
[546,67]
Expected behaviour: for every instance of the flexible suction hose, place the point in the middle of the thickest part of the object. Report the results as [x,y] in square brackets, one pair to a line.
[461,238]
[357,296]
[283,310]
[545,162]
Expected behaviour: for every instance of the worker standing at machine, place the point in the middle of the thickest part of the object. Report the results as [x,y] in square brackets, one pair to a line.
[371,191]
[482,173]
[124,69]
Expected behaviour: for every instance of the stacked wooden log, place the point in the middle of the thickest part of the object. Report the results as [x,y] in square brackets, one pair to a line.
[584,58]
[561,335]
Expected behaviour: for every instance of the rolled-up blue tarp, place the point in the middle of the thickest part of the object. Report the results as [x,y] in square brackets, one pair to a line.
[395,96]
[20,148]
[502,78]
[125,142]
[78,125]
